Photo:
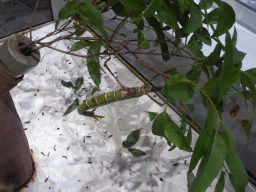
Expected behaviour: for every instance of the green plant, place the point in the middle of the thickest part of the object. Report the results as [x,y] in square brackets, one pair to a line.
[199,26]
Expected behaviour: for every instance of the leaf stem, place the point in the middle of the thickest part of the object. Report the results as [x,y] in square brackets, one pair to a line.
[209,99]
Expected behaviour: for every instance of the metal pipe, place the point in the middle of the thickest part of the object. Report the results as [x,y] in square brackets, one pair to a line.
[16,164]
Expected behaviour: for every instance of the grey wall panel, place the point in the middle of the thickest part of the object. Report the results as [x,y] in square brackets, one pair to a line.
[16,14]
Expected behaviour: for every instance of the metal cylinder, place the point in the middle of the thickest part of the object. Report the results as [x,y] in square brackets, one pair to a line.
[18,62]
[16,164]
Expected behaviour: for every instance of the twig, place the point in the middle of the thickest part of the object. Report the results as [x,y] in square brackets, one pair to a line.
[145,64]
[120,25]
[107,6]
[48,35]
[30,22]
[58,39]
[105,65]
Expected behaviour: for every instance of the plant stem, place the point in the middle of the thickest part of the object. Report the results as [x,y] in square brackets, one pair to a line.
[32,17]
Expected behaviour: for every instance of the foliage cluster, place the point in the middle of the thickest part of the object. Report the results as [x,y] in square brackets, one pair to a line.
[200,25]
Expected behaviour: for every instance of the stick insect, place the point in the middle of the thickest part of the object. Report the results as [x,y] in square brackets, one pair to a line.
[103,99]
[122,94]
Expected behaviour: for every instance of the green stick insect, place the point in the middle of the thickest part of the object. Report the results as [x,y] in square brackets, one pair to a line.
[110,97]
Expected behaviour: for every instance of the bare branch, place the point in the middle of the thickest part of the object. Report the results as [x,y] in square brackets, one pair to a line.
[32,17]
[120,25]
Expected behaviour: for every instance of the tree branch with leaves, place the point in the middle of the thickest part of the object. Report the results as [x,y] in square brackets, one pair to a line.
[198,25]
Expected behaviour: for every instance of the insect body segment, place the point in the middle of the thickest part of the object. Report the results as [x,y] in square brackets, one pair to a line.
[121,94]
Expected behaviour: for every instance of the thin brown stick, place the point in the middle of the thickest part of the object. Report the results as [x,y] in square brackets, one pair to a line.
[107,7]
[30,22]
[58,38]
[120,25]
[48,35]
[145,64]
[105,65]
[122,41]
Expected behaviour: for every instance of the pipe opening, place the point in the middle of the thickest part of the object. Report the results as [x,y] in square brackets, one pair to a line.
[26,50]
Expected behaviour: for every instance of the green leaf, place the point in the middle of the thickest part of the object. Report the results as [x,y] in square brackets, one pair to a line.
[195,20]
[80,45]
[189,136]
[247,81]
[238,83]
[183,124]
[140,25]
[132,139]
[152,115]
[238,177]
[190,177]
[238,56]
[72,107]
[95,89]
[157,127]
[212,17]
[242,94]
[136,152]
[134,5]
[251,71]
[161,37]
[253,78]
[68,10]
[92,64]
[177,78]
[67,84]
[194,74]
[153,6]
[79,33]
[178,88]
[190,108]
[211,86]
[211,163]
[203,139]
[86,10]
[195,47]
[173,147]
[227,82]
[206,71]
[221,183]
[252,115]
[213,57]
[173,134]
[228,75]
[57,24]
[101,6]
[120,10]
[182,91]
[166,18]
[205,36]
[205,4]
[228,58]
[234,38]
[227,12]
[195,41]
[172,71]
[142,43]
[247,127]
[79,83]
